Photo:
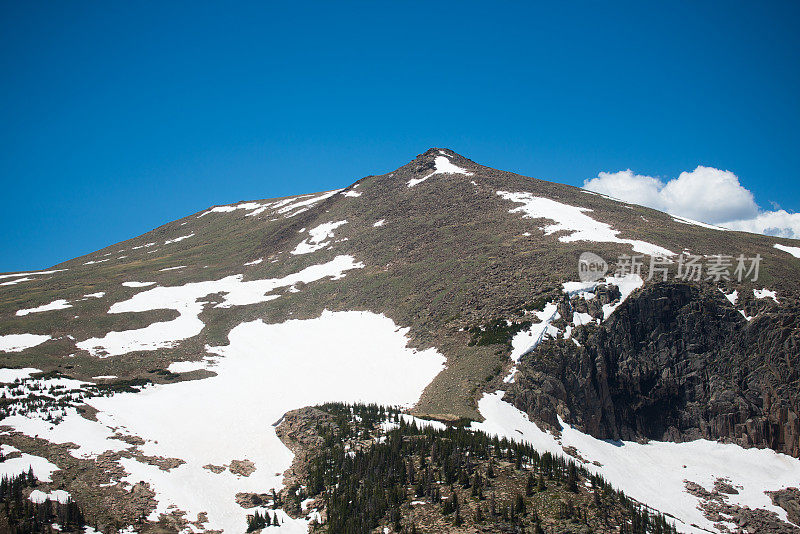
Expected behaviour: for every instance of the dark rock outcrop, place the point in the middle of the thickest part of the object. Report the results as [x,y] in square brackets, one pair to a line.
[789,500]
[674,362]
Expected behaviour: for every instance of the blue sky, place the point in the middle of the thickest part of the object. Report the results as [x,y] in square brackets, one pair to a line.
[118,117]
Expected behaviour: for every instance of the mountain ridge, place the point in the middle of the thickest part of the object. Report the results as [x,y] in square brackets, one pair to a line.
[448,258]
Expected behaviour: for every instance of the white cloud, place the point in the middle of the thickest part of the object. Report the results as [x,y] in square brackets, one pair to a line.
[704,194]
[625,185]
[778,223]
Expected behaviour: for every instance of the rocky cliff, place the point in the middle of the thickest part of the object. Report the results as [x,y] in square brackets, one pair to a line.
[674,362]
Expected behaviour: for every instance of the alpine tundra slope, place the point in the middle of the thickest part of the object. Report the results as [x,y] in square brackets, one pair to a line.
[147,383]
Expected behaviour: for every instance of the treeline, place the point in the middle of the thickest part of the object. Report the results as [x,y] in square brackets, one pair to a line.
[456,470]
[23,516]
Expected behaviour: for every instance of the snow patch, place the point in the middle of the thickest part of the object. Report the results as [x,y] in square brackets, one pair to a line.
[685,220]
[526,341]
[732,297]
[20,342]
[765,294]
[318,236]
[32,273]
[794,251]
[442,165]
[138,284]
[178,239]
[247,206]
[574,219]
[38,496]
[255,262]
[379,223]
[627,284]
[42,468]
[17,281]
[294,208]
[59,304]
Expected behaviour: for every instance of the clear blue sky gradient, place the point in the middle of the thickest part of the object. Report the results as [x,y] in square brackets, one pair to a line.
[121,116]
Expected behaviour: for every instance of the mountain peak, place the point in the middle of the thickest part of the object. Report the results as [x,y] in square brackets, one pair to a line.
[433,152]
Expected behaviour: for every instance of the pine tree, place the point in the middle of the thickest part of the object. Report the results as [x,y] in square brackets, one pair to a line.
[519,505]
[479,515]
[572,478]
[458,521]
[530,485]
[540,486]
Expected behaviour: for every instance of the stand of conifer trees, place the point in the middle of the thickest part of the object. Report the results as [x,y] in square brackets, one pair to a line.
[258,521]
[26,517]
[365,487]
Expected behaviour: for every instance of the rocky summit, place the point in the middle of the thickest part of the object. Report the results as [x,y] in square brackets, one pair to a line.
[442,348]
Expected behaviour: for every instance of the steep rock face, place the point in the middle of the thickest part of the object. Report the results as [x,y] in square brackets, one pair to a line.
[674,362]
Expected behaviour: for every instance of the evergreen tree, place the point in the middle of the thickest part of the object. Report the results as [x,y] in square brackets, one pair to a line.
[572,478]
[457,520]
[530,485]
[519,505]
[479,515]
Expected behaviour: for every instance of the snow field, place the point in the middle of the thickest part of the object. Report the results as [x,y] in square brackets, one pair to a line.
[264,372]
